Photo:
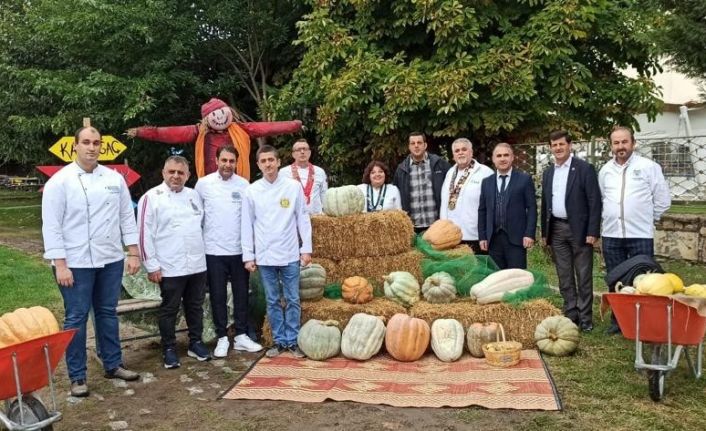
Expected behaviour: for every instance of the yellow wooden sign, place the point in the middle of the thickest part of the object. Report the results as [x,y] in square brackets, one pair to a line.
[111,148]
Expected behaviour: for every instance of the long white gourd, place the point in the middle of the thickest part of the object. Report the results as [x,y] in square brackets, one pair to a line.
[494,286]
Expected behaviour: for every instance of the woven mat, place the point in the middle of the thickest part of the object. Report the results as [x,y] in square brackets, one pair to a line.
[427,382]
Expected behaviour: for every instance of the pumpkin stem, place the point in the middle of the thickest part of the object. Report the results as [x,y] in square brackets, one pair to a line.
[331,323]
[553,337]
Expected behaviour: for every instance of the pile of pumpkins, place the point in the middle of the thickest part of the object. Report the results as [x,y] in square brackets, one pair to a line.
[663,285]
[403,287]
[26,324]
[407,338]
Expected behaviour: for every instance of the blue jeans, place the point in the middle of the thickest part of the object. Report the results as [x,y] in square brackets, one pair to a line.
[284,321]
[98,288]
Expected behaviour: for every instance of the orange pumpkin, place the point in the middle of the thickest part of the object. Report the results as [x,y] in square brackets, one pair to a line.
[357,290]
[406,338]
[26,324]
[443,235]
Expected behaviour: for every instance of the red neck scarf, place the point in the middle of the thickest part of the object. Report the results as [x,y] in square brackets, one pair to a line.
[309,186]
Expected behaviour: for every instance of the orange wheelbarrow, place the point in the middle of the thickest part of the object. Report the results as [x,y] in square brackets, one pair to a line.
[27,367]
[669,326]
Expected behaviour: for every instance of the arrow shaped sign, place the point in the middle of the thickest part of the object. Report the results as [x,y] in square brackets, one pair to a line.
[111,148]
[130,176]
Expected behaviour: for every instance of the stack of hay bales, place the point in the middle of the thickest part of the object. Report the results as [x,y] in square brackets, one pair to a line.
[369,245]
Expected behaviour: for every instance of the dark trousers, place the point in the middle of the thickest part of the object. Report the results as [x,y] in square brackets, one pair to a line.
[618,250]
[505,254]
[189,290]
[420,229]
[221,269]
[475,247]
[574,267]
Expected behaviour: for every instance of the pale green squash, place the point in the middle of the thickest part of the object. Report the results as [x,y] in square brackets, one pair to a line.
[402,287]
[362,337]
[320,340]
[557,336]
[341,201]
[439,288]
[312,280]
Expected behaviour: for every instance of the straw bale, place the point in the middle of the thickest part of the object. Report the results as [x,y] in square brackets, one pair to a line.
[381,233]
[519,322]
[330,309]
[372,268]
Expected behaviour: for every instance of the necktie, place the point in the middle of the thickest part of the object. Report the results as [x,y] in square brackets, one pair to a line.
[502,183]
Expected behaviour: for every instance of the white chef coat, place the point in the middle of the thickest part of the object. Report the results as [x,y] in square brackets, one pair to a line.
[274,219]
[318,189]
[392,200]
[465,215]
[222,202]
[87,217]
[171,238]
[635,195]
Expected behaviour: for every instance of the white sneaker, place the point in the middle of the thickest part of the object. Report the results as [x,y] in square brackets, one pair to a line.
[221,350]
[243,342]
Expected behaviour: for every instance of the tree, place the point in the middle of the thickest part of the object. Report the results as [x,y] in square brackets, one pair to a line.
[682,35]
[488,70]
[133,62]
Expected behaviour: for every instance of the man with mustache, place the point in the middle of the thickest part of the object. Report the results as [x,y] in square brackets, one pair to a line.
[635,195]
[172,247]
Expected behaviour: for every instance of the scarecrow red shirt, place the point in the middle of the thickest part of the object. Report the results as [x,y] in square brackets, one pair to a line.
[216,129]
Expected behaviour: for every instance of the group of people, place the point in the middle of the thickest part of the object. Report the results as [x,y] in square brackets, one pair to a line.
[191,241]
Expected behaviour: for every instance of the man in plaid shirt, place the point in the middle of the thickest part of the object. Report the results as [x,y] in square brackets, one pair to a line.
[419,178]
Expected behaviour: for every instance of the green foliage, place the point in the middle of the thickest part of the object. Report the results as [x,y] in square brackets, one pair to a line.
[682,33]
[508,70]
[129,63]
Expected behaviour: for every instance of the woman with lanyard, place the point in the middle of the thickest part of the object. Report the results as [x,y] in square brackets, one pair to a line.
[378,194]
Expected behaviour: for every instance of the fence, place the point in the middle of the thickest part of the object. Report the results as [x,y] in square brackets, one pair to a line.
[683,161]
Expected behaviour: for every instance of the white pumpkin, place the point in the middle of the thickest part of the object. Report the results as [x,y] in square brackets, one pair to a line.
[362,337]
[439,288]
[319,340]
[402,287]
[496,285]
[341,201]
[447,339]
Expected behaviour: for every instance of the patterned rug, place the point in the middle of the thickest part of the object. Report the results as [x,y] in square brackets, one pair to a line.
[427,382]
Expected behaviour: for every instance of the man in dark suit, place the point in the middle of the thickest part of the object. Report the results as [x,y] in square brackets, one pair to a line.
[507,213]
[571,223]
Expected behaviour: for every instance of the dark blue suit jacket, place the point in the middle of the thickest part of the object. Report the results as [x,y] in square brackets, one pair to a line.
[582,201]
[520,208]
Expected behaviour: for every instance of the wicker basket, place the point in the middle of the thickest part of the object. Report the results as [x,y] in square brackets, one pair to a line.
[508,354]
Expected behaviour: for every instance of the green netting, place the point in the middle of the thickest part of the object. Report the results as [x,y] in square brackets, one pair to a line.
[466,269]
[333,291]
[538,289]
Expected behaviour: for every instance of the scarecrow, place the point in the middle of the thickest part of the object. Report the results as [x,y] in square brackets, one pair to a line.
[217,128]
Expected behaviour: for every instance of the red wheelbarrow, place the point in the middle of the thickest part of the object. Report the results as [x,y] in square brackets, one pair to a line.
[27,367]
[669,326]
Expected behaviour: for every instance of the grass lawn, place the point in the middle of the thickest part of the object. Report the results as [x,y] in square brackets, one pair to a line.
[26,281]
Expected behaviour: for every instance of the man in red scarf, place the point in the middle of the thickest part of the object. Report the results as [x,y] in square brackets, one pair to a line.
[312,178]
[217,129]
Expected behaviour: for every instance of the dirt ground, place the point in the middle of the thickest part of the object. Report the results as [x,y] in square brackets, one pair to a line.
[187,398]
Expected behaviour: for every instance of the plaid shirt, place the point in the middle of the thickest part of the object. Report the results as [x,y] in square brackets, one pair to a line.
[422,204]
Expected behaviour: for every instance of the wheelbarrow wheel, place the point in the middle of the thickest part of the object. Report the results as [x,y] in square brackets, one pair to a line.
[33,410]
[656,378]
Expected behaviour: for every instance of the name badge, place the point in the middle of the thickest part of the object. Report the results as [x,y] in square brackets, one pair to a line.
[235,197]
[113,189]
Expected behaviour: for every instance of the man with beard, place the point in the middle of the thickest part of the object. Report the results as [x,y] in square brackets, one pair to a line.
[222,195]
[635,195]
[460,193]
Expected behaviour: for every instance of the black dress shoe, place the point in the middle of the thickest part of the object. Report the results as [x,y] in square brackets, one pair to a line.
[586,327]
[613,329]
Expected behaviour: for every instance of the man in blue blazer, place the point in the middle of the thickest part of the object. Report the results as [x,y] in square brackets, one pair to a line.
[507,213]
[571,223]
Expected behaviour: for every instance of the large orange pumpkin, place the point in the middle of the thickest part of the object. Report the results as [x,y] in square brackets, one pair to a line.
[26,324]
[356,290]
[443,235]
[406,338]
